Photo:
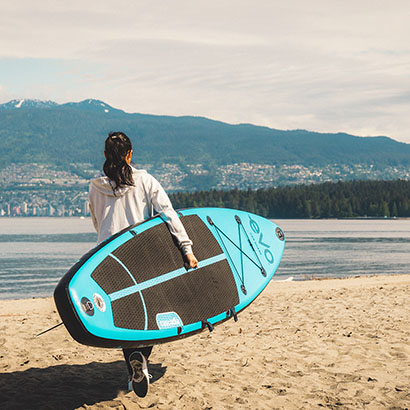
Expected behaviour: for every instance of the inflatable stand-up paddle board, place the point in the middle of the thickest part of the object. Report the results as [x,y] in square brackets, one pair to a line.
[133,289]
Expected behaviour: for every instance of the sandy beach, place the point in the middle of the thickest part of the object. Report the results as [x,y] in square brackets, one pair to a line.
[339,344]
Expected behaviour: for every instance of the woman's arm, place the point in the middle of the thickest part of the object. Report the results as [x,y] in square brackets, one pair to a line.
[91,207]
[162,204]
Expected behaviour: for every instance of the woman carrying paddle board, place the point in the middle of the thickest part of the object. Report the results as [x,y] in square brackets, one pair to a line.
[124,196]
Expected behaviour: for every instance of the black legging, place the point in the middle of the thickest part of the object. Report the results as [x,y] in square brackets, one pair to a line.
[146,351]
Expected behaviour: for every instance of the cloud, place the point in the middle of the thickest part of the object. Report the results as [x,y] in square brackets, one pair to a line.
[325,66]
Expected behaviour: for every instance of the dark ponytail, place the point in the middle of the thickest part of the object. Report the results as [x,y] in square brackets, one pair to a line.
[117,146]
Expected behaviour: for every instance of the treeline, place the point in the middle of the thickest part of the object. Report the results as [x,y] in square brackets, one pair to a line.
[326,200]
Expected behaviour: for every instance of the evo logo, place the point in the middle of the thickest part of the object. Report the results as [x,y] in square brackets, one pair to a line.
[265,247]
[168,320]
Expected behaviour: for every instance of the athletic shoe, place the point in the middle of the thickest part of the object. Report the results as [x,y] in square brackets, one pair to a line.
[130,382]
[140,376]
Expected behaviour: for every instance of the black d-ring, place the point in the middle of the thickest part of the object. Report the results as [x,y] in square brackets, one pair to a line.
[207,324]
[280,234]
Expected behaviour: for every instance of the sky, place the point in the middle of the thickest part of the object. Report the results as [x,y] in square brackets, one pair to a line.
[320,65]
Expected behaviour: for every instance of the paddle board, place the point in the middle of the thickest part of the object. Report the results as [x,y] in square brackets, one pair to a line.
[133,289]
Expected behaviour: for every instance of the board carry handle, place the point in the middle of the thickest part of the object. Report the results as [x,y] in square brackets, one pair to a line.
[207,324]
[232,313]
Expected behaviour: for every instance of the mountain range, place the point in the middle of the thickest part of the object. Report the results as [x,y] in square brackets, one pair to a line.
[86,105]
[34,131]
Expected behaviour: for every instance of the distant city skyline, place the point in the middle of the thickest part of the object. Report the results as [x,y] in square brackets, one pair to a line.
[321,66]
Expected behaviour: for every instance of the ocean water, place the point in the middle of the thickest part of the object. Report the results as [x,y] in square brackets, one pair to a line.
[344,248]
[36,252]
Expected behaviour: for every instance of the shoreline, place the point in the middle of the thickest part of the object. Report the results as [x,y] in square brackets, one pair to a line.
[335,343]
[305,278]
[298,279]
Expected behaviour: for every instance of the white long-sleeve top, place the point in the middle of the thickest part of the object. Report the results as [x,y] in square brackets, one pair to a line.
[112,211]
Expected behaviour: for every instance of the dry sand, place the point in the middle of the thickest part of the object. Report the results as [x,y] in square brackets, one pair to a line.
[339,344]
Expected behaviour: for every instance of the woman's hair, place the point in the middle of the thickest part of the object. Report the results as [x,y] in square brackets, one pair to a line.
[117,146]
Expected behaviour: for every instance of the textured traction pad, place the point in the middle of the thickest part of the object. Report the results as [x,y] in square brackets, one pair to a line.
[195,296]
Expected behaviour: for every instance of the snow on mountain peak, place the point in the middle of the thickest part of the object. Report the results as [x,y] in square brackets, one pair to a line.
[18,105]
[27,103]
[87,105]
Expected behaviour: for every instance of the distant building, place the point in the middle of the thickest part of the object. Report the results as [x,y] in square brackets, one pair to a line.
[61,210]
[50,210]
[86,209]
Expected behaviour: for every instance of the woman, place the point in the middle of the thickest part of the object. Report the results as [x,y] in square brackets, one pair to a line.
[123,197]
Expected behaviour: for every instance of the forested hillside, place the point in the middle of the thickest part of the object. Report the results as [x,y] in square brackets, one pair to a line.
[75,132]
[326,200]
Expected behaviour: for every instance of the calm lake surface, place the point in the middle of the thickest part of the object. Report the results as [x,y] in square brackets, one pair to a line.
[36,252]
